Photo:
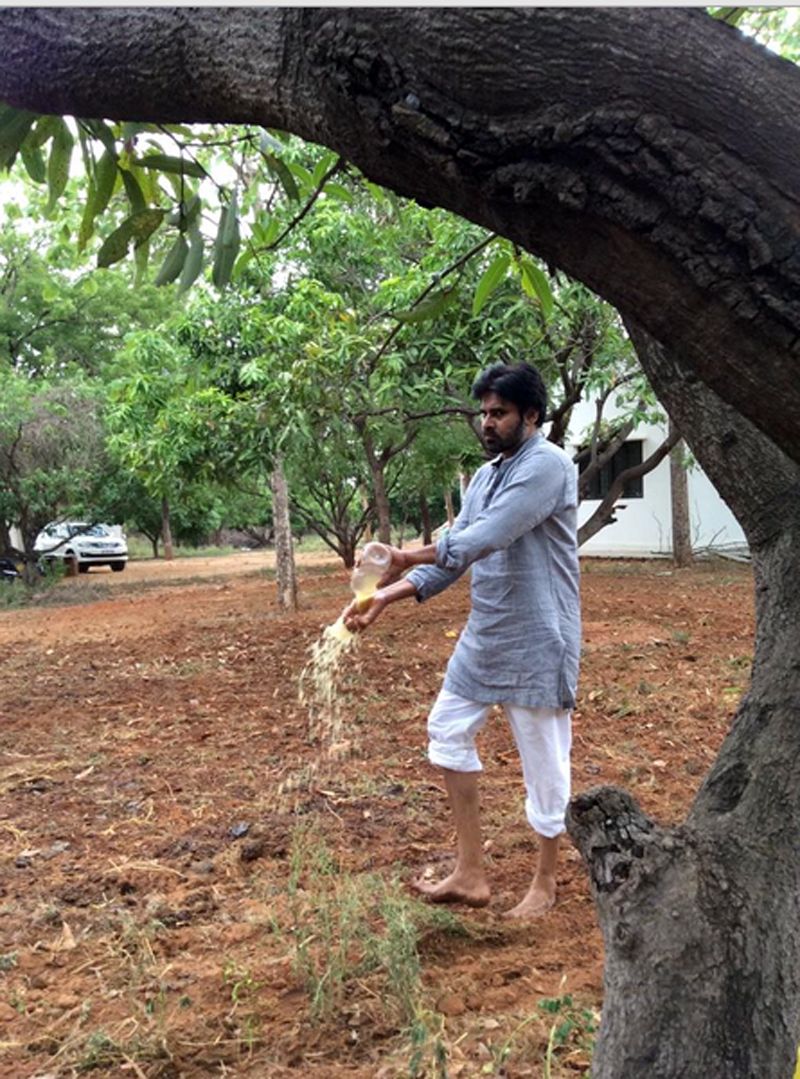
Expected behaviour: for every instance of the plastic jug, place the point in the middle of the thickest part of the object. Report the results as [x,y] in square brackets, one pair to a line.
[375,560]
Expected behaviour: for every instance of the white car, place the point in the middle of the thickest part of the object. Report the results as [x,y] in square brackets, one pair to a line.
[81,544]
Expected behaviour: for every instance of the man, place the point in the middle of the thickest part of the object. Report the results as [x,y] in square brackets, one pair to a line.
[520,647]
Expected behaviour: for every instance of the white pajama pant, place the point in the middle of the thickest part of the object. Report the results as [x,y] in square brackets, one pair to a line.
[543,737]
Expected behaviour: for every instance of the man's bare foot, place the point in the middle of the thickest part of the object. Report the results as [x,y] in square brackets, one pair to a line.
[457,888]
[541,896]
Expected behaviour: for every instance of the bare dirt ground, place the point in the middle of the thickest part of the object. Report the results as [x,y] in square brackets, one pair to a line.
[194,882]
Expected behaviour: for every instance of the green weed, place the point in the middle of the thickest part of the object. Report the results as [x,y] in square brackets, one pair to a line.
[346,927]
[8,961]
[572,1025]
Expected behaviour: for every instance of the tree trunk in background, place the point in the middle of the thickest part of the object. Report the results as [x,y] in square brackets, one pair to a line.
[166,530]
[285,576]
[427,527]
[6,546]
[382,506]
[448,505]
[679,502]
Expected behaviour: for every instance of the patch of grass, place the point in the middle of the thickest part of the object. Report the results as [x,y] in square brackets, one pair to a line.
[100,1050]
[347,927]
[8,961]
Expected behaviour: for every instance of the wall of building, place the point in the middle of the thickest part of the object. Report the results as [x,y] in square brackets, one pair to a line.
[643,526]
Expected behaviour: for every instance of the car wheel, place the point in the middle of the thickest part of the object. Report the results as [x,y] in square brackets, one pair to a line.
[117,567]
[83,567]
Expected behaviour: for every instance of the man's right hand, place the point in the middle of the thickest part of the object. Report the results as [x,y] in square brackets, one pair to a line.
[361,614]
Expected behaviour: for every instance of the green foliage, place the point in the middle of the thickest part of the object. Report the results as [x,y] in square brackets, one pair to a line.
[51,449]
[56,318]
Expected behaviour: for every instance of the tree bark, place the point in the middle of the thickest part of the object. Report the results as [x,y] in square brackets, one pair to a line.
[449,509]
[651,153]
[679,502]
[377,469]
[285,576]
[700,921]
[166,530]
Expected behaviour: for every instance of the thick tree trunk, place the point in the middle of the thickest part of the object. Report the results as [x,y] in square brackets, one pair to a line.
[702,921]
[285,576]
[679,503]
[651,153]
[166,530]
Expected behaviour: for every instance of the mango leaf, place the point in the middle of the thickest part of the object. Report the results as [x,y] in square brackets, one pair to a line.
[87,220]
[194,260]
[173,263]
[14,127]
[536,285]
[280,171]
[167,163]
[145,224]
[326,162]
[105,176]
[103,132]
[134,191]
[101,186]
[115,245]
[46,127]
[33,160]
[58,164]
[141,257]
[490,279]
[302,174]
[339,192]
[226,245]
[242,262]
[265,231]
[230,229]
[137,228]
[430,307]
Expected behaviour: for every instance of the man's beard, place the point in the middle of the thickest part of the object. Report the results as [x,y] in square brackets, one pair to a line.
[495,444]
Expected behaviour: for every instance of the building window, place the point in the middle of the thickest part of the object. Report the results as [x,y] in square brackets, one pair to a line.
[628,455]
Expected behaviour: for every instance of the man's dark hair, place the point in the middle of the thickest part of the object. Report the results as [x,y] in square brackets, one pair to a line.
[519,383]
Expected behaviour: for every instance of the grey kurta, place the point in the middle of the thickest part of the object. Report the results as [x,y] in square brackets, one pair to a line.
[517,529]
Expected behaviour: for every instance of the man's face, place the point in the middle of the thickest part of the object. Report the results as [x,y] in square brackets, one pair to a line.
[503,428]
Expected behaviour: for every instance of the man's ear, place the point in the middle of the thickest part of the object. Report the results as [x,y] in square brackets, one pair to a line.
[532,417]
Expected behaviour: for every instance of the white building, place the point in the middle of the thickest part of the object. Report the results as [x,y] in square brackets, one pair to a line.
[643,526]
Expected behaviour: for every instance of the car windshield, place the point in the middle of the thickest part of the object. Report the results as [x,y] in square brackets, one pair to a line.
[88,530]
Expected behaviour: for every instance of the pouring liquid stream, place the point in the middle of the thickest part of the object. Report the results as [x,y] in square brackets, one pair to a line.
[321,682]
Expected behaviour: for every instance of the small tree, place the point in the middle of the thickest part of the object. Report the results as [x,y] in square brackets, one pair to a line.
[51,453]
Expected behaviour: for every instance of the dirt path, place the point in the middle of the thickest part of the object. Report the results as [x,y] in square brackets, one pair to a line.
[196,882]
